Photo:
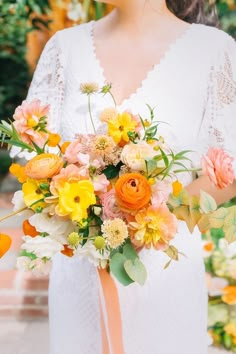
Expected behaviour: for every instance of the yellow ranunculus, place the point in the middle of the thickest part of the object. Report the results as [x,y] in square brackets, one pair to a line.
[119,127]
[74,199]
[32,193]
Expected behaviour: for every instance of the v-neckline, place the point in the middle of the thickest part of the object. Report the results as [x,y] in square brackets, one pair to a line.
[167,53]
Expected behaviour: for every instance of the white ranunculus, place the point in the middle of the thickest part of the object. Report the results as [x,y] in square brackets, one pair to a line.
[90,252]
[52,225]
[134,155]
[41,246]
[40,268]
[23,263]
[18,202]
[229,250]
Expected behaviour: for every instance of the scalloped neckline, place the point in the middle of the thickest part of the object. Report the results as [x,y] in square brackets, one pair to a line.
[170,48]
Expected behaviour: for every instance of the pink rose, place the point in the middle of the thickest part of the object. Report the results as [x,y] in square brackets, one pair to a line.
[110,207]
[218,166]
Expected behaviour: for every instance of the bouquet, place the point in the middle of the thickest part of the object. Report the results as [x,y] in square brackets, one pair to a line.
[106,196]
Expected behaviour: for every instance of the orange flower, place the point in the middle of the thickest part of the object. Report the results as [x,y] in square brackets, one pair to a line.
[43,166]
[69,252]
[53,139]
[5,244]
[153,227]
[19,172]
[29,229]
[132,191]
[229,296]
[65,146]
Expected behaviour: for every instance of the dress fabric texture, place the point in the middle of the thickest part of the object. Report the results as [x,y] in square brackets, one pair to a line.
[193,89]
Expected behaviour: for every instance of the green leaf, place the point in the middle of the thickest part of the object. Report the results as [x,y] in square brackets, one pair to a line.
[207,203]
[117,269]
[129,252]
[229,227]
[164,157]
[112,171]
[173,253]
[136,270]
[217,218]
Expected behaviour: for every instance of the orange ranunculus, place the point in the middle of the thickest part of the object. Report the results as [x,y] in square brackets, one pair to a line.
[229,295]
[5,244]
[65,146]
[69,252]
[53,139]
[19,172]
[132,191]
[29,229]
[43,166]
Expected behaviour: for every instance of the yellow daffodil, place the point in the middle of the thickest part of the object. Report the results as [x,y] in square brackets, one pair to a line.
[75,198]
[119,127]
[32,194]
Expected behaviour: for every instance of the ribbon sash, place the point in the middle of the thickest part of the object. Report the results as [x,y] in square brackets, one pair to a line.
[111,322]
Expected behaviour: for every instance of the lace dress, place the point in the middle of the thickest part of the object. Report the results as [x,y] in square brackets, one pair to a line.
[194,90]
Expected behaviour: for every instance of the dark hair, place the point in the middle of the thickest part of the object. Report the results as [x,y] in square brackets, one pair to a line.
[198,11]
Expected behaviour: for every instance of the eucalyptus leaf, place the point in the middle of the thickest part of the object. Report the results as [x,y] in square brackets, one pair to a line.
[117,269]
[136,271]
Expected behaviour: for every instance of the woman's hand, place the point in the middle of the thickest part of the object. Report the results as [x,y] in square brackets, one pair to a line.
[220,195]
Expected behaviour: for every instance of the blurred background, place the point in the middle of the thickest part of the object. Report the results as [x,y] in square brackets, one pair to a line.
[25,27]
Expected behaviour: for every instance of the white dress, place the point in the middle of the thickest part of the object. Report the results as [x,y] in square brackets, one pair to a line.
[194,90]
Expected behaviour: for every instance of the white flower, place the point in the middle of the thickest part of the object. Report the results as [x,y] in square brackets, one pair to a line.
[90,252]
[18,202]
[41,246]
[40,267]
[76,12]
[229,250]
[208,248]
[57,229]
[22,154]
[134,155]
[215,285]
[23,263]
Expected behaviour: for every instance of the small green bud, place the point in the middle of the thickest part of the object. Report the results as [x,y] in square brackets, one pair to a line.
[99,242]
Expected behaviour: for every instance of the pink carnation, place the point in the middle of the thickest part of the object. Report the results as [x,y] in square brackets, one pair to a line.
[27,116]
[110,207]
[218,166]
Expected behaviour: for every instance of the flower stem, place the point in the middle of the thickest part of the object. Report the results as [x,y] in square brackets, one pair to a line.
[113,98]
[90,113]
[13,214]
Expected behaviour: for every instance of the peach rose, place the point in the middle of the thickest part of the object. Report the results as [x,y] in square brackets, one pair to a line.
[218,166]
[134,155]
[43,166]
[132,191]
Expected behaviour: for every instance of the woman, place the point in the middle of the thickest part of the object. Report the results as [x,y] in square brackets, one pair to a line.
[187,71]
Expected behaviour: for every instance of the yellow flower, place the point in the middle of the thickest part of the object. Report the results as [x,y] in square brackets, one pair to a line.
[229,296]
[177,188]
[53,139]
[32,194]
[119,127]
[19,172]
[115,232]
[74,200]
[230,329]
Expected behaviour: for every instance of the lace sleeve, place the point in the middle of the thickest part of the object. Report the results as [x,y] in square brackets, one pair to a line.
[219,128]
[48,82]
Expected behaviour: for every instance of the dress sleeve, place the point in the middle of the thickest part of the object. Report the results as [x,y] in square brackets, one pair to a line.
[48,81]
[219,122]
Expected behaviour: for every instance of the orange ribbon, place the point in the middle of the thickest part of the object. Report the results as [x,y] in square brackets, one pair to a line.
[114,322]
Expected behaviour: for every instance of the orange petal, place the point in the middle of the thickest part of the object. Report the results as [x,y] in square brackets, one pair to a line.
[68,251]
[29,229]
[43,166]
[5,244]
